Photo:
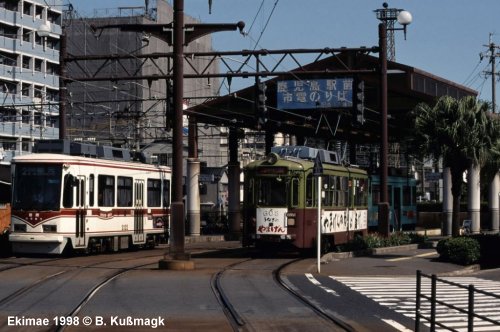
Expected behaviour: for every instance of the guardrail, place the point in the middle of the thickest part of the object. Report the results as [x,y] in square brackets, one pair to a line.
[434,301]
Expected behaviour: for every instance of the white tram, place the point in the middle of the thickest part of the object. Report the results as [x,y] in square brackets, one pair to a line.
[77,203]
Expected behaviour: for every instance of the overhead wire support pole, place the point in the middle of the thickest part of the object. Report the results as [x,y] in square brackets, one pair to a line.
[177,205]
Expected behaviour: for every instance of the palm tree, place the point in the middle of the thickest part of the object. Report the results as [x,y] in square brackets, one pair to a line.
[459,132]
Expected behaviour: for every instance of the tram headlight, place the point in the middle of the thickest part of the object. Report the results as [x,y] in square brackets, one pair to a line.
[19,228]
[49,228]
[290,219]
[272,158]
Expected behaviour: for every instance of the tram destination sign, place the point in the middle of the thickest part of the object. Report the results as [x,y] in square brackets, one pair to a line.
[315,93]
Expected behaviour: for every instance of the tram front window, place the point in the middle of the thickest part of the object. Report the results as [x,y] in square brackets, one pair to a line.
[272,192]
[37,187]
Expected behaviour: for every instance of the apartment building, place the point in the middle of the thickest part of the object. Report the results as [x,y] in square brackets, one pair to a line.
[29,73]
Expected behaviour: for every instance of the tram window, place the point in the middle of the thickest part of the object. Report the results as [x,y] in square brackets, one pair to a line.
[154,192]
[310,201]
[91,190]
[166,193]
[106,190]
[271,192]
[69,182]
[360,197]
[295,192]
[124,193]
[329,190]
[341,193]
[375,194]
[80,192]
[249,193]
[406,195]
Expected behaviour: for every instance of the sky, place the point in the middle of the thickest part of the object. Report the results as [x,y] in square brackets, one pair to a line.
[445,38]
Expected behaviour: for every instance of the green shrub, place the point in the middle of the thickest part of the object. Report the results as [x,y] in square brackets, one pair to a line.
[460,250]
[375,240]
[398,239]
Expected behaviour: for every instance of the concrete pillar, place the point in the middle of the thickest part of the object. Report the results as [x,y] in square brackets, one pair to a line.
[474,198]
[234,213]
[493,199]
[192,180]
[233,167]
[193,196]
[447,221]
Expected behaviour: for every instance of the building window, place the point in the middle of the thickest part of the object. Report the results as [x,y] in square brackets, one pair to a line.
[8,31]
[52,95]
[26,62]
[27,8]
[9,5]
[38,91]
[52,68]
[38,11]
[38,65]
[27,35]
[26,89]
[54,18]
[7,59]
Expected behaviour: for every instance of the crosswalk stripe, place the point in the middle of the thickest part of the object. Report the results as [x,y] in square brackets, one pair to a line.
[399,294]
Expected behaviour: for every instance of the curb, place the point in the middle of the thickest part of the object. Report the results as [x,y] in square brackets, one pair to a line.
[204,238]
[332,256]
[462,271]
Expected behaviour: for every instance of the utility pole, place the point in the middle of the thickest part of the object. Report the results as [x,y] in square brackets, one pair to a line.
[492,48]
[494,185]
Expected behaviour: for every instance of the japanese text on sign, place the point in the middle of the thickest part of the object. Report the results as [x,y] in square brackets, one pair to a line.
[318,93]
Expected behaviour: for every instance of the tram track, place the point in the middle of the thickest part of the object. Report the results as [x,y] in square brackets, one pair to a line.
[236,316]
[317,309]
[72,267]
[92,292]
[14,264]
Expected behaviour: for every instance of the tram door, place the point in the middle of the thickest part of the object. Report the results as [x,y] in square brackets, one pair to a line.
[139,211]
[81,211]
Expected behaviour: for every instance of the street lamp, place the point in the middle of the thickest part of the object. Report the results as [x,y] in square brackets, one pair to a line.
[389,16]
[404,18]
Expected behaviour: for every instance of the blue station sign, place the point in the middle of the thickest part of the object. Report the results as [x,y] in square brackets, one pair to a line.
[315,93]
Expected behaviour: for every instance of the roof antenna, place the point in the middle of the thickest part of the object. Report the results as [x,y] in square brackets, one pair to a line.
[210,6]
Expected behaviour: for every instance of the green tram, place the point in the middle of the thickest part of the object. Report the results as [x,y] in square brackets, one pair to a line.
[281,203]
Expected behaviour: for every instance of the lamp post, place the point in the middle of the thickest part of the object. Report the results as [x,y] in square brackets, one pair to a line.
[404,18]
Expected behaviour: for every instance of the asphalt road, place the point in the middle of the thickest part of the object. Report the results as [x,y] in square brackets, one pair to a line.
[126,291]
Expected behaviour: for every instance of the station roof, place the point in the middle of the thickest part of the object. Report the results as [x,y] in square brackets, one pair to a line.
[407,87]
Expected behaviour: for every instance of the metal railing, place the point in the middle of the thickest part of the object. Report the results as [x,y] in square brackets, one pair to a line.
[430,316]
